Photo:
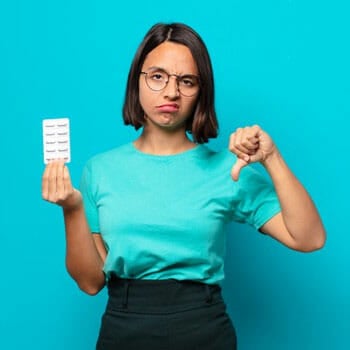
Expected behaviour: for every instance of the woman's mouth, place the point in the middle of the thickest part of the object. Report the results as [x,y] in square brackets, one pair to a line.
[168,108]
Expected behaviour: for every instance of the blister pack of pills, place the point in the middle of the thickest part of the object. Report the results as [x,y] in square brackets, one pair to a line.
[56,139]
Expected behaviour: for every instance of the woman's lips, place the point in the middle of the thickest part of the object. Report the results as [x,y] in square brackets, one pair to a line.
[168,108]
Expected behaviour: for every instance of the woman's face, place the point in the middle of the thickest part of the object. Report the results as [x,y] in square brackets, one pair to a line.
[168,108]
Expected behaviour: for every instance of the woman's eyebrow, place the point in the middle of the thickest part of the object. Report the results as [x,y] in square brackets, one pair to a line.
[155,68]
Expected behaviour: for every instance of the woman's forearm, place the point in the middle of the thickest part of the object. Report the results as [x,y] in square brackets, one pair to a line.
[299,213]
[83,261]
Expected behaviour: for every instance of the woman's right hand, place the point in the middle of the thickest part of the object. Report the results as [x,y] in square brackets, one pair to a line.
[57,186]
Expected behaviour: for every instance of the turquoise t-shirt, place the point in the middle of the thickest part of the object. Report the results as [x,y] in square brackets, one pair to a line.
[164,216]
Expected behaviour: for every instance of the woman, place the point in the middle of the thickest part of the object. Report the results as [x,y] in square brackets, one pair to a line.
[149,218]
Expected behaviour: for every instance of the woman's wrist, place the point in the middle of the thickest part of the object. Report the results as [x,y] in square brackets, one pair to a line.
[73,203]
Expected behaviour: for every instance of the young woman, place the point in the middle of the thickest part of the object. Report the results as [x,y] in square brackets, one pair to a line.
[149,219]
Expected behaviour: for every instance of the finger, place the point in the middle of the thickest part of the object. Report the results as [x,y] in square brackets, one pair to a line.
[237,167]
[235,144]
[60,188]
[54,180]
[233,138]
[251,143]
[45,182]
[247,146]
[67,181]
[256,157]
[243,142]
[248,142]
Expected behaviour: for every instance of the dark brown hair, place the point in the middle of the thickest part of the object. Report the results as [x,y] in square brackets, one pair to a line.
[203,123]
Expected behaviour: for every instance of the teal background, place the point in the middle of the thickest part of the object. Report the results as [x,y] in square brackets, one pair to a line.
[281,64]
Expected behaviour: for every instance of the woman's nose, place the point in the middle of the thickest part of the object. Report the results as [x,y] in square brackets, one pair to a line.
[172,87]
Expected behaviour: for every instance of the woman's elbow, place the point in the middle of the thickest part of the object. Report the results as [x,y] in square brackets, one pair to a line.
[89,284]
[314,244]
[90,289]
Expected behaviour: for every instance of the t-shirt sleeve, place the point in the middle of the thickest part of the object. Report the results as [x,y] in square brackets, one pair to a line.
[254,198]
[88,191]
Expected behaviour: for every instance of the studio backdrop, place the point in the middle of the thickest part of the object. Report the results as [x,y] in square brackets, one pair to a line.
[282,64]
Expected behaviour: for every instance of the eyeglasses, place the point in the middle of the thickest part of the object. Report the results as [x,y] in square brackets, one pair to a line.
[157,80]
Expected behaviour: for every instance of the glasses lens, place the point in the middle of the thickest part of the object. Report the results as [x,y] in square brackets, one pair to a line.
[188,85]
[157,80]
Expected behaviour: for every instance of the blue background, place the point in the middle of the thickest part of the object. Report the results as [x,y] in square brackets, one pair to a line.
[281,64]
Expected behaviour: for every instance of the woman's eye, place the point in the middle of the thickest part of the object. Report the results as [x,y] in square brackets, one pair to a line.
[187,81]
[157,76]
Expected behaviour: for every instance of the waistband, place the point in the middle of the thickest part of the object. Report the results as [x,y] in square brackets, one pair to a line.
[160,296]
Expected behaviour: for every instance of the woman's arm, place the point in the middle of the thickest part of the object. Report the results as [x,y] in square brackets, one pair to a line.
[299,225]
[84,259]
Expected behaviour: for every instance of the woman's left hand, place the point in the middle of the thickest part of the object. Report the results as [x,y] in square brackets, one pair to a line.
[250,144]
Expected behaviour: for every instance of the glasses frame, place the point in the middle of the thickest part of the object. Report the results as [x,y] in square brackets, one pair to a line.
[178,78]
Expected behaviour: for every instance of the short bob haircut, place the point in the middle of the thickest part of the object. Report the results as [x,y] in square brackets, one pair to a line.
[203,123]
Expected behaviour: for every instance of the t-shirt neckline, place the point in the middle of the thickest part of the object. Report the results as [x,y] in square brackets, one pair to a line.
[185,153]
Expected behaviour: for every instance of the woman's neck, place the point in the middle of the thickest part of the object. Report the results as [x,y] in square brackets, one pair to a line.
[163,143]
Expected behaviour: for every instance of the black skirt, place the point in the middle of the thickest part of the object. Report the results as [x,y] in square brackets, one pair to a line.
[165,315]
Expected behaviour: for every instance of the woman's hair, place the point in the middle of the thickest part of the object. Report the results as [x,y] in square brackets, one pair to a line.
[203,123]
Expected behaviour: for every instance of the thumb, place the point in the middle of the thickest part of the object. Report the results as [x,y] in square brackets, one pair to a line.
[237,167]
